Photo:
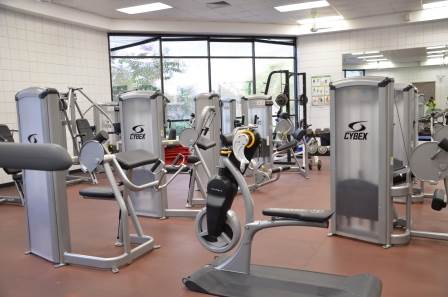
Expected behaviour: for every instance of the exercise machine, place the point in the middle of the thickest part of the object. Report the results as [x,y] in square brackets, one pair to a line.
[283,101]
[44,162]
[78,125]
[229,122]
[6,135]
[257,109]
[218,230]
[142,127]
[197,141]
[429,162]
[362,134]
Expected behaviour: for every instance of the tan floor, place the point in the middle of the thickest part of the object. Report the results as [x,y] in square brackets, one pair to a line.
[416,270]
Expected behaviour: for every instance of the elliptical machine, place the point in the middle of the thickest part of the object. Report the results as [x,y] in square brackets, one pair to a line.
[218,230]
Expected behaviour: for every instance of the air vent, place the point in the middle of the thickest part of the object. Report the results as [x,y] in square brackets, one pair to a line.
[218,4]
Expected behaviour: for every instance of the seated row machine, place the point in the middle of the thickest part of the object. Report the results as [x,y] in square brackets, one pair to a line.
[44,162]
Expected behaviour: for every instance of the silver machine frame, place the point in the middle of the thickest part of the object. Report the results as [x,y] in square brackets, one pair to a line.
[47,218]
[142,127]
[207,106]
[260,107]
[214,131]
[228,115]
[361,160]
[75,112]
[200,173]
[367,113]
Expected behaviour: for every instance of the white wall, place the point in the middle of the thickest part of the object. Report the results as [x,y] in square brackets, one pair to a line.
[322,54]
[40,52]
[438,74]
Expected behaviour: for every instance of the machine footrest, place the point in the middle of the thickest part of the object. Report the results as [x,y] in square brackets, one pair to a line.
[266,281]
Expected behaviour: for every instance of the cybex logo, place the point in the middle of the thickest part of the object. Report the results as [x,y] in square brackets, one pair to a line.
[356,131]
[32,138]
[138,132]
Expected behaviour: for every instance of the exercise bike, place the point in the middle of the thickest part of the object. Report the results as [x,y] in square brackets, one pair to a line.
[218,229]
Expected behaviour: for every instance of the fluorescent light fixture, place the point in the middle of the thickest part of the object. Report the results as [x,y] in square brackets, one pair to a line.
[302,6]
[326,19]
[371,52]
[144,8]
[437,52]
[435,47]
[358,54]
[435,56]
[437,4]
[377,60]
[370,57]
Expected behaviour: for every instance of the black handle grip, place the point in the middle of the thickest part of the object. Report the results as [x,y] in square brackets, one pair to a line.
[156,164]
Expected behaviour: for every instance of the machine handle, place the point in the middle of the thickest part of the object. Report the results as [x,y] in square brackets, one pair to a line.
[156,165]
[178,158]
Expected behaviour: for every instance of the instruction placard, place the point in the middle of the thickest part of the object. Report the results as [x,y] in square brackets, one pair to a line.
[320,90]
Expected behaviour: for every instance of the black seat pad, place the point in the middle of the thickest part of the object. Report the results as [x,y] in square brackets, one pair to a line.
[132,159]
[97,193]
[307,215]
[84,129]
[287,146]
[204,143]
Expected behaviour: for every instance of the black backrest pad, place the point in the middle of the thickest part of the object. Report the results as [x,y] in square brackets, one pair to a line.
[84,130]
[45,157]
[5,134]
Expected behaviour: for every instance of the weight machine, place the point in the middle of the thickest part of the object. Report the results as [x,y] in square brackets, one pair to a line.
[292,134]
[218,229]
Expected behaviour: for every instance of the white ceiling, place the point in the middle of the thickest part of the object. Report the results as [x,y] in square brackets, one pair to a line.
[247,11]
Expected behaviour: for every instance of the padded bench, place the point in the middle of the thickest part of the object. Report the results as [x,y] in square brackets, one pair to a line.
[306,215]
[133,159]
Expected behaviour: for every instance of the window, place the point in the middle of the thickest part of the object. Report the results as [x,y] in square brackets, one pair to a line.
[354,73]
[242,49]
[183,66]
[274,48]
[184,48]
[183,80]
[128,46]
[132,74]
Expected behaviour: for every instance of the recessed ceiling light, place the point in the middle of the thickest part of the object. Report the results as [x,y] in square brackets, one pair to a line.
[302,6]
[370,57]
[144,8]
[357,54]
[377,60]
[435,4]
[371,52]
[326,19]
[435,47]
[437,52]
[435,56]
